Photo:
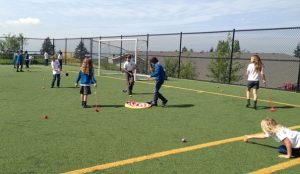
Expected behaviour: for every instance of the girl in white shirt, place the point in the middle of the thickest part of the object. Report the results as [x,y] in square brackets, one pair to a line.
[289,139]
[254,70]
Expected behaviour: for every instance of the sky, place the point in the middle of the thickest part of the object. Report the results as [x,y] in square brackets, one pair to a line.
[92,18]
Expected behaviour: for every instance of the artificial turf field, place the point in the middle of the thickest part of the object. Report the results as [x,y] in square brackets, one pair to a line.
[74,138]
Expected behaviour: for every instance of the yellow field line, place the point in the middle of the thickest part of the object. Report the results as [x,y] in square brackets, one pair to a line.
[214,93]
[153,156]
[277,167]
[159,155]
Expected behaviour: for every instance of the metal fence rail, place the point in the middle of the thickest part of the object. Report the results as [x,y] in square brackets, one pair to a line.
[193,53]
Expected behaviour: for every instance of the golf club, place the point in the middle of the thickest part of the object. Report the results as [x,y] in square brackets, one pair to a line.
[267,93]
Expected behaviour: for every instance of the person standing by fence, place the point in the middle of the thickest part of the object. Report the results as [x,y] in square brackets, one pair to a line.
[60,58]
[46,58]
[15,56]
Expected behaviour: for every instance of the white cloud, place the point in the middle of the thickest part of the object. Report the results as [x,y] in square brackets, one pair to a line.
[21,21]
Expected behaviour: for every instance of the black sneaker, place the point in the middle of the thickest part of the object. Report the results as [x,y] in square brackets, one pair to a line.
[153,104]
[164,103]
[248,105]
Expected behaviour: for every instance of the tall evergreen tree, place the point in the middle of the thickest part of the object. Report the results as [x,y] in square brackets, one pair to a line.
[47,47]
[80,51]
[297,51]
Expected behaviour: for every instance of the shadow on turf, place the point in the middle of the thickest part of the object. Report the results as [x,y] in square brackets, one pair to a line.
[108,106]
[69,87]
[180,106]
[265,145]
[142,93]
[277,107]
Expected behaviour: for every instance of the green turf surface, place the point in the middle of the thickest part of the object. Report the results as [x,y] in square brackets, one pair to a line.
[74,138]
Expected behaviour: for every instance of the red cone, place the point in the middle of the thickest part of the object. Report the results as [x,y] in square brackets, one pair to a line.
[272,109]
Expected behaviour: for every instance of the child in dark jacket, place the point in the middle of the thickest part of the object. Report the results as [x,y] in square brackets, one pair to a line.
[86,77]
[159,74]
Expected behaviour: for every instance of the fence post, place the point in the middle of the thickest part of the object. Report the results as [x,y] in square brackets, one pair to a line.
[231,56]
[147,54]
[121,52]
[298,83]
[66,47]
[179,56]
[91,48]
[53,48]
[22,43]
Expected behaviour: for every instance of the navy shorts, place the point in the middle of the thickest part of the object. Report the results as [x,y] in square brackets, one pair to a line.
[253,84]
[85,90]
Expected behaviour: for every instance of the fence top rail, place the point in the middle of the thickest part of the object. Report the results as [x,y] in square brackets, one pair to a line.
[166,34]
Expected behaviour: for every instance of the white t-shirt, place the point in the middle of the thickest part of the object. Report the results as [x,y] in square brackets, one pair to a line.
[253,75]
[282,133]
[59,57]
[46,55]
[55,67]
[129,66]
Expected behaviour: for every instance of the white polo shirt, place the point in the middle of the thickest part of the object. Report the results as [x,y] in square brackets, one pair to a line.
[282,133]
[253,75]
[129,66]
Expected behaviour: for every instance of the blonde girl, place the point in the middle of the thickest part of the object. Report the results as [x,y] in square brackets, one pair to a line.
[86,77]
[254,70]
[289,139]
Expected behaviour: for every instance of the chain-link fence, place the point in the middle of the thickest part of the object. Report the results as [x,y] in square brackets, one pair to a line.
[218,56]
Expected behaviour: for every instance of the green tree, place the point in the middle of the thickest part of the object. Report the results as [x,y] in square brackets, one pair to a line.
[80,51]
[297,51]
[219,65]
[12,43]
[171,67]
[184,49]
[188,70]
[47,47]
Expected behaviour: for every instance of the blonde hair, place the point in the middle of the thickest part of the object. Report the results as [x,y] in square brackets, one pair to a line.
[270,126]
[257,62]
[86,66]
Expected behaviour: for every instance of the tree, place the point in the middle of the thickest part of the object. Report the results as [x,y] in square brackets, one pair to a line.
[47,47]
[188,70]
[184,49]
[219,65]
[171,67]
[12,43]
[297,51]
[80,51]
